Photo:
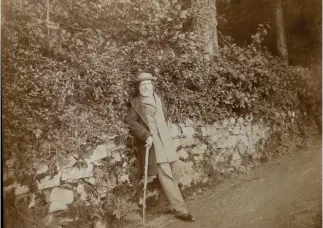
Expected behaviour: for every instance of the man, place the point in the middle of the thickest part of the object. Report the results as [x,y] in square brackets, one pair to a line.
[146,118]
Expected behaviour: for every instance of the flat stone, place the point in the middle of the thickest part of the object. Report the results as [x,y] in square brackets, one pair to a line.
[223,131]
[99,224]
[10,163]
[251,149]
[255,137]
[48,182]
[187,142]
[251,117]
[47,194]
[150,194]
[236,159]
[32,201]
[262,134]
[216,159]
[188,131]
[249,133]
[198,157]
[242,148]
[113,147]
[182,154]
[232,141]
[42,169]
[248,126]
[240,120]
[111,183]
[65,221]
[221,143]
[110,146]
[124,178]
[189,122]
[215,138]
[232,121]
[149,179]
[243,139]
[199,149]
[255,128]
[81,191]
[76,173]
[244,169]
[59,198]
[199,123]
[236,130]
[97,163]
[102,192]
[188,167]
[49,220]
[66,162]
[205,179]
[198,176]
[91,180]
[100,152]
[116,157]
[242,130]
[228,151]
[177,143]
[204,131]
[181,126]
[19,189]
[225,122]
[216,124]
[210,130]
[186,180]
[174,130]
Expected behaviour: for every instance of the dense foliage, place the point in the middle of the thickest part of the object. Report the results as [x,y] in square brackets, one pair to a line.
[302,22]
[66,83]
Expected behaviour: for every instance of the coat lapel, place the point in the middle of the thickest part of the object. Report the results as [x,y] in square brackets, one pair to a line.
[137,106]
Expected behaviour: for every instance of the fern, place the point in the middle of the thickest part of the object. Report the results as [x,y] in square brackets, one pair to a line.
[126,210]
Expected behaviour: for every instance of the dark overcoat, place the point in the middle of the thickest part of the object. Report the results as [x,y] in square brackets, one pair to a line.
[139,128]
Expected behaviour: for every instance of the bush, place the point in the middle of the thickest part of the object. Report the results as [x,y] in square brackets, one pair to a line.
[67,91]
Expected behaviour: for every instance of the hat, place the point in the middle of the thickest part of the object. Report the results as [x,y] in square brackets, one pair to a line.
[145,76]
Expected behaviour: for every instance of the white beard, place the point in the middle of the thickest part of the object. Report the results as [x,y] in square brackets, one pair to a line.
[147,93]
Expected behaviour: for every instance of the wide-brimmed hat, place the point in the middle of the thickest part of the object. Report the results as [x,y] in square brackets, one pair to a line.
[145,76]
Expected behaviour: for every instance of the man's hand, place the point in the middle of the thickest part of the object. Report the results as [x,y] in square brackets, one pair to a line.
[149,141]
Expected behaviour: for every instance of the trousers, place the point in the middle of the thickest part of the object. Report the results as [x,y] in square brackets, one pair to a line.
[168,175]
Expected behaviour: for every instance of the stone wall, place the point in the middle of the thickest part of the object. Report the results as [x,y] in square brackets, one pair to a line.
[204,149]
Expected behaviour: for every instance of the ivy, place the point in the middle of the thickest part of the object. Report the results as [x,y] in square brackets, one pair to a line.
[71,87]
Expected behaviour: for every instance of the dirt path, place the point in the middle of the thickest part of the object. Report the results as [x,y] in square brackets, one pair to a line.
[279,194]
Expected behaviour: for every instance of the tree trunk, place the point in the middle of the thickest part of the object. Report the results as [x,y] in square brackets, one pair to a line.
[47,22]
[205,24]
[280,30]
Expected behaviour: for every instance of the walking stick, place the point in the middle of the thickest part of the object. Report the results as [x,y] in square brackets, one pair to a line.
[145,184]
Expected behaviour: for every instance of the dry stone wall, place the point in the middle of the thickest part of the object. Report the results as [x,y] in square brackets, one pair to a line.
[222,147]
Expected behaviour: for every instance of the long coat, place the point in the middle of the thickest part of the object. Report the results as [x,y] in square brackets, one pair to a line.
[139,127]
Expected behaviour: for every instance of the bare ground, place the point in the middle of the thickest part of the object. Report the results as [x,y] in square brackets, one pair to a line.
[284,193]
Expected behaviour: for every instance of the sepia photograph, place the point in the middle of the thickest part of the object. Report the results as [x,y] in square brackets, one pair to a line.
[161,113]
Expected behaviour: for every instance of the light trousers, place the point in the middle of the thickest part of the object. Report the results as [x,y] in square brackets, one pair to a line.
[169,175]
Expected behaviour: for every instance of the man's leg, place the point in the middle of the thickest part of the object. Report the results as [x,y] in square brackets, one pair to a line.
[170,188]
[177,171]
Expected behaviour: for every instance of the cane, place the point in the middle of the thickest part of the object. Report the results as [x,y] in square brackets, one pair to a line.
[145,184]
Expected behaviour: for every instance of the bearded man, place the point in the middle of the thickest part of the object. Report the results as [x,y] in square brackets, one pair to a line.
[147,121]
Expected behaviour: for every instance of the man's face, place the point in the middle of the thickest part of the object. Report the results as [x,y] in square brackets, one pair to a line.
[146,88]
